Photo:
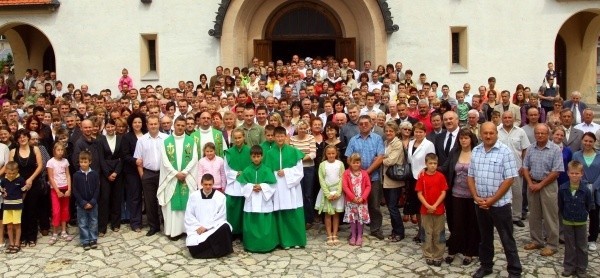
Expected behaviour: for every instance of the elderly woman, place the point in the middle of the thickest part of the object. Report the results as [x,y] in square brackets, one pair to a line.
[464,237]
[306,143]
[31,165]
[590,158]
[394,154]
[417,149]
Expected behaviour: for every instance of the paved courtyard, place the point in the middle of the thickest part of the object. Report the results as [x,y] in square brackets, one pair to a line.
[131,254]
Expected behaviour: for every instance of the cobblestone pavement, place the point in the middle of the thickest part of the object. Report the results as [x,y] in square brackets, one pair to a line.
[131,254]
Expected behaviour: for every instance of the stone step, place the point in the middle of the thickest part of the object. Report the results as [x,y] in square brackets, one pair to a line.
[596,108]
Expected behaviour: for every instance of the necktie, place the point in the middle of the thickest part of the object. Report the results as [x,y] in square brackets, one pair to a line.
[448,143]
[576,113]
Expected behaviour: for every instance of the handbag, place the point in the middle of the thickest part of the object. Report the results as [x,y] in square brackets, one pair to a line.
[399,172]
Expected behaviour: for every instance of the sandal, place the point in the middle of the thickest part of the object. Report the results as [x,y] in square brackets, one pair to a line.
[405,218]
[9,250]
[53,239]
[16,249]
[32,243]
[336,241]
[23,244]
[66,237]
[329,240]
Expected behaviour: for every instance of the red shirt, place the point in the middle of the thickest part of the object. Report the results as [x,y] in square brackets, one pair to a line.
[432,187]
[426,121]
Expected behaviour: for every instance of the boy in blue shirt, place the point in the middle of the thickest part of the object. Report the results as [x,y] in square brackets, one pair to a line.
[574,203]
[86,188]
[13,189]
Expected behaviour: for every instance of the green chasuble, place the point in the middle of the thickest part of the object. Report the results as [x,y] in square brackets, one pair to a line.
[254,174]
[289,157]
[238,158]
[217,139]
[182,192]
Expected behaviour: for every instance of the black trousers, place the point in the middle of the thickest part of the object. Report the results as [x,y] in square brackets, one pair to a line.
[149,188]
[109,205]
[45,207]
[216,246]
[31,212]
[464,234]
[133,196]
[594,225]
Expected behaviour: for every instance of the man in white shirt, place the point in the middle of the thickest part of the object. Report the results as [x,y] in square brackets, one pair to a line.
[374,83]
[147,153]
[588,124]
[516,139]
[370,105]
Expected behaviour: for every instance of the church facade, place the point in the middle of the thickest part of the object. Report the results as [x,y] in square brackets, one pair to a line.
[162,42]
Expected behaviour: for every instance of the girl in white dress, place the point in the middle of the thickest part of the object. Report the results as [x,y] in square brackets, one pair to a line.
[330,199]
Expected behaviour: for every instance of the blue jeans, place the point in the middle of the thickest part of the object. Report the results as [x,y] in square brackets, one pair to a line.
[88,224]
[307,199]
[391,196]
[501,218]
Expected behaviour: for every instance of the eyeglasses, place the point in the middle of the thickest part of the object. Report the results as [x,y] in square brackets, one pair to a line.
[363,123]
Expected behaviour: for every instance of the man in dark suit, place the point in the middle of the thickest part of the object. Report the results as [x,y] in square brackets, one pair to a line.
[444,143]
[572,135]
[437,124]
[403,114]
[577,106]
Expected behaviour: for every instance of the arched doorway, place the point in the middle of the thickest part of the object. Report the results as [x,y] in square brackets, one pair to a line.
[30,48]
[576,54]
[241,26]
[308,29]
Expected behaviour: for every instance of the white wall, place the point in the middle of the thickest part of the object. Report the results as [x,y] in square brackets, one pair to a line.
[94,40]
[510,40]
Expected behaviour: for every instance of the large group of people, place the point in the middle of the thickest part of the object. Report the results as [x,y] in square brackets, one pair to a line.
[263,152]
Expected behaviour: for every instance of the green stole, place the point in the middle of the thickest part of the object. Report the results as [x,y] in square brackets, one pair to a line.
[217,138]
[182,192]
[257,174]
[238,158]
[284,157]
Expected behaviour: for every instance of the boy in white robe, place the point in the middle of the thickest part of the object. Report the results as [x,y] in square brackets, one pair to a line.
[208,233]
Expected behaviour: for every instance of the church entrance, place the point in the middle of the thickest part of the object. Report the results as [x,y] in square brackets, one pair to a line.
[284,49]
[576,54]
[304,28]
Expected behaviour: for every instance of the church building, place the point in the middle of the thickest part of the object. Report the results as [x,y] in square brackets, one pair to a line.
[162,42]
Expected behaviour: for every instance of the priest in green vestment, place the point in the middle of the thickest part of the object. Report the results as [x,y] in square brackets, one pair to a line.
[286,162]
[177,178]
[260,226]
[237,158]
[206,133]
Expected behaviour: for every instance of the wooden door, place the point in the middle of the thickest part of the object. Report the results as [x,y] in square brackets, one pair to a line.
[263,50]
[346,48]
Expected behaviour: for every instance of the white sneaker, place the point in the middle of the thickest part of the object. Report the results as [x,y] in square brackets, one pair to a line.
[592,246]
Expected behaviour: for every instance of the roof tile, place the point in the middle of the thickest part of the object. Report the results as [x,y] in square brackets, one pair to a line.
[24,2]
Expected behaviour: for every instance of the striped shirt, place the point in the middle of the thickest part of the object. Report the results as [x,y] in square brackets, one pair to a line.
[542,160]
[308,146]
[490,169]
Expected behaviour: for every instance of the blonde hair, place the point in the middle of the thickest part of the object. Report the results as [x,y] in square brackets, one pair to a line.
[354,157]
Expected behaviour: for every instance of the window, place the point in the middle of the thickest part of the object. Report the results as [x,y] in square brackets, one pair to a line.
[459,50]
[149,57]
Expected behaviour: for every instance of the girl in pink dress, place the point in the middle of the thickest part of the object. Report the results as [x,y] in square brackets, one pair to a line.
[356,184]
[214,165]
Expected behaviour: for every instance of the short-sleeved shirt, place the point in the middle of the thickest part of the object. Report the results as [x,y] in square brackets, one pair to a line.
[516,140]
[432,187]
[542,160]
[368,147]
[60,171]
[491,168]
